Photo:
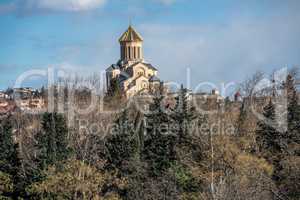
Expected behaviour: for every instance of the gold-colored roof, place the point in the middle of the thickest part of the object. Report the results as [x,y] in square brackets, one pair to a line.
[131,35]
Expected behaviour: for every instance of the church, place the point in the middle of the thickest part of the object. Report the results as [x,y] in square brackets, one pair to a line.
[132,74]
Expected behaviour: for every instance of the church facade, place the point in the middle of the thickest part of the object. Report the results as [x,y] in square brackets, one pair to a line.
[132,74]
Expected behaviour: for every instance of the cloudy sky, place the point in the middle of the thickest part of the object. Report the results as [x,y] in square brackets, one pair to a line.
[220,41]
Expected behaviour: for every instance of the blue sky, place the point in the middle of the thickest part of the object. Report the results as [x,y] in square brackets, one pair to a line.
[219,40]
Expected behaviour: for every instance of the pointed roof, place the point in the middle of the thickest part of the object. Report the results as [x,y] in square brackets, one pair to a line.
[131,35]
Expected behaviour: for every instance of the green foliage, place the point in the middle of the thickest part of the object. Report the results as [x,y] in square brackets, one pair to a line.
[282,148]
[143,159]
[8,149]
[6,186]
[288,173]
[74,180]
[52,142]
[184,179]
[114,89]
[159,146]
[122,145]
[9,156]
[268,138]
[157,119]
[293,118]
[159,152]
[183,114]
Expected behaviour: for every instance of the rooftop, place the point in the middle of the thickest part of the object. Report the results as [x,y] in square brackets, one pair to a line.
[131,35]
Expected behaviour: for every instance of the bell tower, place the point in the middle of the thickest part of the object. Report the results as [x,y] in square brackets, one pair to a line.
[131,44]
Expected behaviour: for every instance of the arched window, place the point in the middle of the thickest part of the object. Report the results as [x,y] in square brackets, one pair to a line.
[140,73]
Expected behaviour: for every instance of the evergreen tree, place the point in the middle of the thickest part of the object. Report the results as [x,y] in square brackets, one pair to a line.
[267,137]
[157,118]
[52,142]
[288,173]
[9,158]
[183,114]
[272,144]
[293,118]
[282,148]
[8,149]
[159,152]
[159,146]
[114,89]
[122,145]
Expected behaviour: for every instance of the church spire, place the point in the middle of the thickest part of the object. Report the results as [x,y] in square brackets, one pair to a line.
[131,35]
[131,45]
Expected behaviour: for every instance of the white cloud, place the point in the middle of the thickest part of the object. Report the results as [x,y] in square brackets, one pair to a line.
[25,7]
[61,5]
[227,52]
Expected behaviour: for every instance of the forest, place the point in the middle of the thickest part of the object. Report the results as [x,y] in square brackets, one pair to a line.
[166,153]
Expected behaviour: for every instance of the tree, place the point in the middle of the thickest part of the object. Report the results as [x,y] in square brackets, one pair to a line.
[52,142]
[8,149]
[289,175]
[9,156]
[293,117]
[122,145]
[159,146]
[74,180]
[276,146]
[267,137]
[183,114]
[6,186]
[157,119]
[288,172]
[114,88]
[248,87]
[242,119]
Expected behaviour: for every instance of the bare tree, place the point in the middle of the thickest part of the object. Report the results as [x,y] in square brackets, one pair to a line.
[248,86]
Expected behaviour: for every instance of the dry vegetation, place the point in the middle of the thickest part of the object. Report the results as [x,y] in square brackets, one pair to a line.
[127,155]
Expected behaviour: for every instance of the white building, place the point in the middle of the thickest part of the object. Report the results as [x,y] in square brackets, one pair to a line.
[3,95]
[132,73]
